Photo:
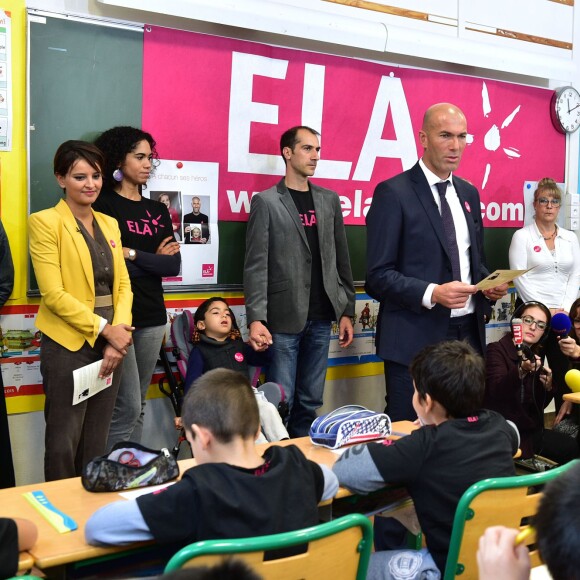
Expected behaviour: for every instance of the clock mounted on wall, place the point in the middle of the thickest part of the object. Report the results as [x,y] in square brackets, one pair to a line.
[565,109]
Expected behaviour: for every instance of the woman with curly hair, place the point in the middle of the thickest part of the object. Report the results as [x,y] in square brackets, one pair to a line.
[151,253]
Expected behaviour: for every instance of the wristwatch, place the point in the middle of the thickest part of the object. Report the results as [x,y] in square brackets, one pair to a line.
[132,255]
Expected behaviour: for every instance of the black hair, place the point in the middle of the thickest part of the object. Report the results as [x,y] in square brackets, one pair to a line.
[290,138]
[116,144]
[199,316]
[451,373]
[574,313]
[70,152]
[557,525]
[222,401]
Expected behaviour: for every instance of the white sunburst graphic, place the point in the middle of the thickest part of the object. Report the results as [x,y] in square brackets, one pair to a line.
[492,139]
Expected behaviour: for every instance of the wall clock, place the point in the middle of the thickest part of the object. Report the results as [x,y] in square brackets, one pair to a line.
[565,109]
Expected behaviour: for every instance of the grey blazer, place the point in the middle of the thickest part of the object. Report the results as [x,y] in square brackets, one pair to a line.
[277,265]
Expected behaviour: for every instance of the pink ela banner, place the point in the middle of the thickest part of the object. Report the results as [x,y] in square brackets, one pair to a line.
[213,99]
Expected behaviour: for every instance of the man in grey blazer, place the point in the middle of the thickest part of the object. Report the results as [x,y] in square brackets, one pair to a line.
[297,278]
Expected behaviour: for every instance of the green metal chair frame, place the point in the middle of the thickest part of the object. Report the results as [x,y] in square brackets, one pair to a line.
[326,551]
[491,502]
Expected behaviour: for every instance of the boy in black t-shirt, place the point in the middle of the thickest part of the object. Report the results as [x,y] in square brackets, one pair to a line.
[233,492]
[458,444]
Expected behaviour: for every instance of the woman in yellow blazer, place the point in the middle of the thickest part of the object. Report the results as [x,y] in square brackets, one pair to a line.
[85,310]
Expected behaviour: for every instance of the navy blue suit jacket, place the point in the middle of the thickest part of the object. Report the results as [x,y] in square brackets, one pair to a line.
[406,251]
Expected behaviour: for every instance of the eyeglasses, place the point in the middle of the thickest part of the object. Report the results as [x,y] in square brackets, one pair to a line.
[528,320]
[546,201]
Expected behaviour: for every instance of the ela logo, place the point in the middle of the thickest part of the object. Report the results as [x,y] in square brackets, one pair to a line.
[207,270]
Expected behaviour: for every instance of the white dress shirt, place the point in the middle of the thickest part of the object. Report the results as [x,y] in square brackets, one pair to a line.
[462,234]
[555,279]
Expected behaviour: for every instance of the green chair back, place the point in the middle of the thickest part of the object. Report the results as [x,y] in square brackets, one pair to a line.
[337,549]
[501,501]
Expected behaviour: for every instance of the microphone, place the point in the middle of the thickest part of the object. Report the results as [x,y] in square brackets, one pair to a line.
[518,334]
[572,379]
[561,323]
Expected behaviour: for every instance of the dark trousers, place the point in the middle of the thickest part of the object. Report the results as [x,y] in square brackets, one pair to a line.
[558,447]
[75,434]
[399,384]
[6,465]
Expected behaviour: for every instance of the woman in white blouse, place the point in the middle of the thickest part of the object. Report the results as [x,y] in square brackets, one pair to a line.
[554,253]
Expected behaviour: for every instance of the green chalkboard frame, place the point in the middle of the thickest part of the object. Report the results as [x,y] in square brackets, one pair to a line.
[84,77]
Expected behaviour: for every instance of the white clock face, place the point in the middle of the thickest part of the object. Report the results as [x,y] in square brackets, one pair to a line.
[568,109]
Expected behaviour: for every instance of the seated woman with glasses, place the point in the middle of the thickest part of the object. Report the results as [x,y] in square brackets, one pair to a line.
[519,385]
[554,254]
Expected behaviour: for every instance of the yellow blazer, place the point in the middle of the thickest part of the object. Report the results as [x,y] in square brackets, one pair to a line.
[64,271]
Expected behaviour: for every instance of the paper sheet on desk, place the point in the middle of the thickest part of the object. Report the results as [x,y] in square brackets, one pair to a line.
[500,277]
[87,382]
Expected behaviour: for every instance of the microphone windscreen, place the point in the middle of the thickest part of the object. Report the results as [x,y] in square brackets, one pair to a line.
[561,323]
[517,331]
[572,379]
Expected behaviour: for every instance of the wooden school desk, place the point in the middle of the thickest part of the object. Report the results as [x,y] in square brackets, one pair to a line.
[55,549]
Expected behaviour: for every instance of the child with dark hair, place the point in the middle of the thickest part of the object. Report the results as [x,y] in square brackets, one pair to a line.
[458,444]
[218,344]
[233,491]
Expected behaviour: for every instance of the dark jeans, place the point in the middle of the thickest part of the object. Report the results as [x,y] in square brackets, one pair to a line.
[299,364]
[75,434]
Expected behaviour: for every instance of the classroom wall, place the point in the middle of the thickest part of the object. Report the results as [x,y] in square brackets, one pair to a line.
[347,384]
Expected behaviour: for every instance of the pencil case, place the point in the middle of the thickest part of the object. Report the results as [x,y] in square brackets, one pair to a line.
[349,424]
[129,466]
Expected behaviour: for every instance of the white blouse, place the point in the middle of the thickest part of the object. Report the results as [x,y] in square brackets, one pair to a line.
[556,277]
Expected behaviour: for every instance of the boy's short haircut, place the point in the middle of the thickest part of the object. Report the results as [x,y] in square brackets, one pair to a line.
[453,374]
[222,401]
[557,525]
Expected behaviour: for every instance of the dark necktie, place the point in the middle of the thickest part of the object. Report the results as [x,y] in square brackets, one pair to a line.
[449,228]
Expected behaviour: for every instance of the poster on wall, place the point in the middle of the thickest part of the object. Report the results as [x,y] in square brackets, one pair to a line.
[364,323]
[208,98]
[6,104]
[189,189]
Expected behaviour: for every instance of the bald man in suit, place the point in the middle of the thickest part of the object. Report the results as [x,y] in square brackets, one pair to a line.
[421,268]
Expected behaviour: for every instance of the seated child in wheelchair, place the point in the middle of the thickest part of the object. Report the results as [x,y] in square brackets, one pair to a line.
[218,344]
